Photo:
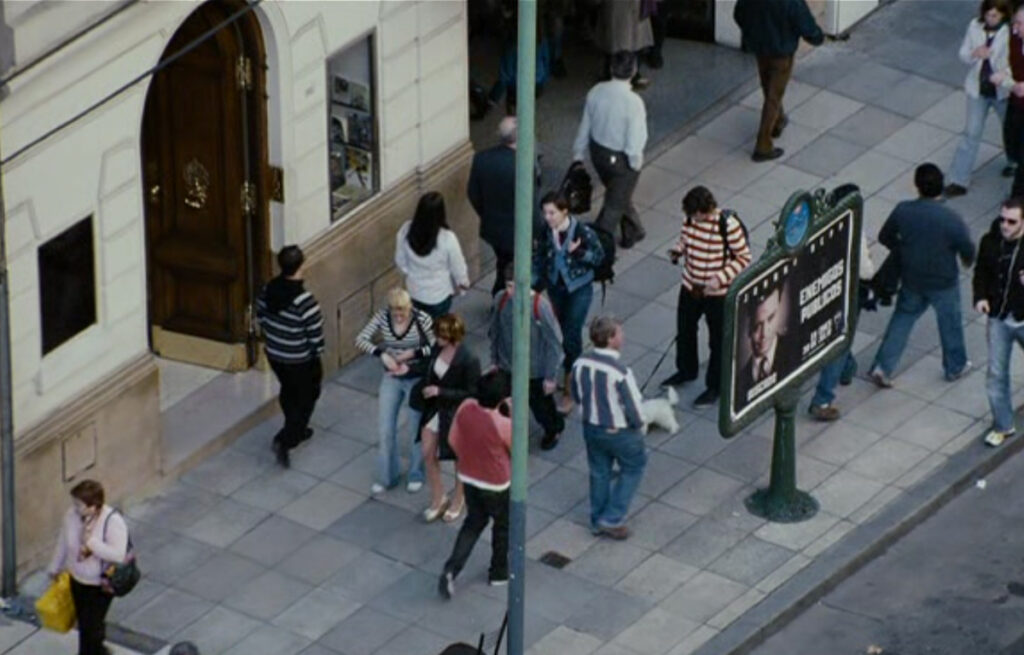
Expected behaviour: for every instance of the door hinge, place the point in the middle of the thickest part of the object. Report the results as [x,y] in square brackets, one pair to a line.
[248,198]
[243,73]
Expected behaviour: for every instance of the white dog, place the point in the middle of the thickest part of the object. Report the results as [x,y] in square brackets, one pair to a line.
[661,412]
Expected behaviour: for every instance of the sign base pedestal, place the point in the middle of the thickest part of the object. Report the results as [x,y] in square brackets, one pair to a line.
[800,506]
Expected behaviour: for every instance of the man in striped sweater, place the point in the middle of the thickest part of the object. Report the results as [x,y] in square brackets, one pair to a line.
[609,401]
[714,250]
[293,333]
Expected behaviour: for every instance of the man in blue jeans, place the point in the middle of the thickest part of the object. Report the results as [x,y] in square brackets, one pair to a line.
[999,294]
[929,237]
[609,401]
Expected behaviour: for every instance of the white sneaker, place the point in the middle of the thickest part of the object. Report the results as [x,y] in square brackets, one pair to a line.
[995,438]
[413,486]
[376,489]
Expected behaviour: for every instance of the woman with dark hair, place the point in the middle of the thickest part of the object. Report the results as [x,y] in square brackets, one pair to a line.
[452,375]
[986,49]
[428,254]
[564,263]
[92,535]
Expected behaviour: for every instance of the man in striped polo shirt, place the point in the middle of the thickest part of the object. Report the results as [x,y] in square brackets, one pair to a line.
[293,333]
[609,401]
[714,250]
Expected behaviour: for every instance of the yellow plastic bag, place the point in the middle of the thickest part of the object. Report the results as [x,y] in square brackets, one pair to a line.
[55,608]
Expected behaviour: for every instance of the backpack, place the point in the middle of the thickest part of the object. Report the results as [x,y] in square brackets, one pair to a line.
[577,188]
[536,304]
[723,230]
[605,269]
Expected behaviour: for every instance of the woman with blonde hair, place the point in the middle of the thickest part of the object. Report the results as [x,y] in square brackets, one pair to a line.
[452,376]
[92,535]
[402,338]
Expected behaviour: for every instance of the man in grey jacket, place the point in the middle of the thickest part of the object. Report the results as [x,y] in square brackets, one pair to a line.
[545,353]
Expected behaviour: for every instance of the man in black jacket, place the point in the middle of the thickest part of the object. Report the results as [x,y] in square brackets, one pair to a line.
[772,30]
[999,294]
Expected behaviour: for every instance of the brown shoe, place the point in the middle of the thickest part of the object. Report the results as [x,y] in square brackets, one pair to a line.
[618,532]
[824,412]
[774,153]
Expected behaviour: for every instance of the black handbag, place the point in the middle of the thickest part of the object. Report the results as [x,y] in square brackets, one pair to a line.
[416,400]
[418,367]
[118,579]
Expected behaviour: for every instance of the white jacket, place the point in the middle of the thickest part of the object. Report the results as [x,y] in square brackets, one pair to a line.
[429,279]
[999,57]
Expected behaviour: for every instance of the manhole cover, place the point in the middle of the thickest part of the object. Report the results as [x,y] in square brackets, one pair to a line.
[554,559]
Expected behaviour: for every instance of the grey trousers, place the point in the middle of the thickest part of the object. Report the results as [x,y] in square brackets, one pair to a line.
[619,182]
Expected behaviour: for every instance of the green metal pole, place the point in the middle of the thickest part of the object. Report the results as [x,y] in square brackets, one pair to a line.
[525,77]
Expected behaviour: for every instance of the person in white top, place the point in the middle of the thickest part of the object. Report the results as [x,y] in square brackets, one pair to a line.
[428,254]
[614,125]
[92,535]
[986,49]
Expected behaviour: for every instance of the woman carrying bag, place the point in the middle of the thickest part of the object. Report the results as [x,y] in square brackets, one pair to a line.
[92,536]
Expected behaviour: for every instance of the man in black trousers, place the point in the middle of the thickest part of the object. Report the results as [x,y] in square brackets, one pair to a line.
[293,332]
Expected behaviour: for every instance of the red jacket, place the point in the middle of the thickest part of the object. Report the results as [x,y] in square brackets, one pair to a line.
[482,439]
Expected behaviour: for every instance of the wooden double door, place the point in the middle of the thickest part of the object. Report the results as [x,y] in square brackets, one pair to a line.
[204,162]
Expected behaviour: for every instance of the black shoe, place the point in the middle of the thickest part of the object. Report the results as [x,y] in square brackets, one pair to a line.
[779,126]
[1009,170]
[768,156]
[558,69]
[549,441]
[706,399]
[307,435]
[954,191]
[675,380]
[655,60]
[626,244]
[446,585]
[281,452]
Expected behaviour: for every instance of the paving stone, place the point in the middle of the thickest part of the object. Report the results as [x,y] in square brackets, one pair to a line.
[321,506]
[559,490]
[655,183]
[912,96]
[933,428]
[656,577]
[270,640]
[468,614]
[326,453]
[824,110]
[830,538]
[780,183]
[613,649]
[913,142]
[826,155]
[656,632]
[698,443]
[968,399]
[176,558]
[870,81]
[219,576]
[949,113]
[606,562]
[176,507]
[845,492]
[656,524]
[565,641]
[922,470]
[797,536]
[886,411]
[871,171]
[737,170]
[841,442]
[695,640]
[562,536]
[413,595]
[734,127]
[662,472]
[736,609]
[784,573]
[314,614]
[362,632]
[746,458]
[272,540]
[869,126]
[218,630]
[607,613]
[358,474]
[887,460]
[750,561]
[648,279]
[413,639]
[317,649]
[692,155]
[703,596]
[318,559]
[146,590]
[365,576]
[275,489]
[226,471]
[704,542]
[701,491]
[168,613]
[370,523]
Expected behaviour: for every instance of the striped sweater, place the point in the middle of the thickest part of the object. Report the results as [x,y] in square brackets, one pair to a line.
[703,253]
[606,391]
[293,327]
[379,335]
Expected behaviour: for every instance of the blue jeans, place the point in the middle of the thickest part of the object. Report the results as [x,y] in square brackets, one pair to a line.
[571,310]
[609,502]
[394,394]
[967,152]
[909,307]
[1001,338]
[825,392]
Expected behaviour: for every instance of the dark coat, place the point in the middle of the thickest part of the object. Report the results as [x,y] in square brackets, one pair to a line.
[787,359]
[929,237]
[492,192]
[997,275]
[458,383]
[773,28]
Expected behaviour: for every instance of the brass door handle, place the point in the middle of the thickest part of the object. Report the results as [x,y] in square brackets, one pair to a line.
[154,194]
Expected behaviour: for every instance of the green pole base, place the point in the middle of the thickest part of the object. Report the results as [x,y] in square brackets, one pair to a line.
[782,508]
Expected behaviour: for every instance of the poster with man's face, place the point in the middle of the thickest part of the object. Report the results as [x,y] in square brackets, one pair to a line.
[788,316]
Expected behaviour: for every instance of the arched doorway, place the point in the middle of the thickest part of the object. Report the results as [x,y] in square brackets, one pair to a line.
[204,160]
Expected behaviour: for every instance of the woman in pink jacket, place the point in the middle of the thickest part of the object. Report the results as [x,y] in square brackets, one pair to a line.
[93,534]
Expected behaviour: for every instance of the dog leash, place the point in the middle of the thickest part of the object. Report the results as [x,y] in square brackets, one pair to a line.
[656,367]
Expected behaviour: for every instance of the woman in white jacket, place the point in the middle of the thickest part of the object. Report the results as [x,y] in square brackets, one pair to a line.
[986,49]
[92,535]
[428,254]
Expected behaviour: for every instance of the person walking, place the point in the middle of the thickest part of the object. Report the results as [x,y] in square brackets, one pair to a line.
[772,29]
[1013,122]
[92,535]
[564,264]
[427,252]
[481,436]
[402,338]
[293,337]
[928,237]
[625,26]
[714,250]
[545,353]
[451,377]
[610,403]
[999,294]
[986,49]
[614,128]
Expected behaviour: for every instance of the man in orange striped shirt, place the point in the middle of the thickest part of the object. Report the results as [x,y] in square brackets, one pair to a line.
[714,249]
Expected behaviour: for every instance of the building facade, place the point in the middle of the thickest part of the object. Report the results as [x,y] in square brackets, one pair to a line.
[155,156]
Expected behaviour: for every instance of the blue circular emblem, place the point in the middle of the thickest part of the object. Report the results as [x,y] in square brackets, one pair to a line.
[796,224]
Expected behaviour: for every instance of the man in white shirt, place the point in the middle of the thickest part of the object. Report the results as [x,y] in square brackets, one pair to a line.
[614,125]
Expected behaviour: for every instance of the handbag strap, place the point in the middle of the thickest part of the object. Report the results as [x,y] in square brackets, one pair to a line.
[129,547]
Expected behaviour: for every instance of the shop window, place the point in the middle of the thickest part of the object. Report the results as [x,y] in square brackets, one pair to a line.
[67,284]
[352,128]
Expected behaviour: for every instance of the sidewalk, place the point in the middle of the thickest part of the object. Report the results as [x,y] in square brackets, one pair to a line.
[245,558]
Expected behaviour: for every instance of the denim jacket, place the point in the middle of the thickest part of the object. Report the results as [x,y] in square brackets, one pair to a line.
[553,264]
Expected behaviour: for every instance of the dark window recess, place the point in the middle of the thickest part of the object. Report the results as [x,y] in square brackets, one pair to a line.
[67,284]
